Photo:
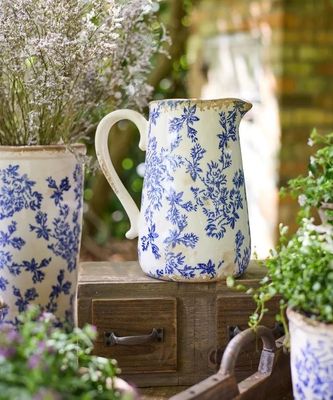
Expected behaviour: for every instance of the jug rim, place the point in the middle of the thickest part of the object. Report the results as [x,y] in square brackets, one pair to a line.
[203,103]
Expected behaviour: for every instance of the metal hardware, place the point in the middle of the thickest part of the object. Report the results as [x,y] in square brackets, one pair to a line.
[233,331]
[244,338]
[278,330]
[156,335]
[215,356]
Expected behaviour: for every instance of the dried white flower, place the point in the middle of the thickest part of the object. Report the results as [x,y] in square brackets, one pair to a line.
[65,62]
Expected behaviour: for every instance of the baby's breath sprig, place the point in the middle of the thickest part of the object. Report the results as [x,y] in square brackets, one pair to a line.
[65,63]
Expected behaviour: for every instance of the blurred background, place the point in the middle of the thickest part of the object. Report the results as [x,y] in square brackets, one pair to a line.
[277,54]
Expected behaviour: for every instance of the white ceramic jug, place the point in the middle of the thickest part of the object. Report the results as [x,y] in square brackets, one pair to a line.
[193,224]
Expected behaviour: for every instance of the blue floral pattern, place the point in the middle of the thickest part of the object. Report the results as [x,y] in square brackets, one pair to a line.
[3,314]
[60,233]
[60,287]
[64,237]
[22,301]
[243,254]
[314,371]
[7,239]
[16,192]
[215,193]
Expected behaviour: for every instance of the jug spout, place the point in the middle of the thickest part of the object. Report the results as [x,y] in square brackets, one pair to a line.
[246,106]
[242,105]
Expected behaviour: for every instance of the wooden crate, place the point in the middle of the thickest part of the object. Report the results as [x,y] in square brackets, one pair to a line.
[195,322]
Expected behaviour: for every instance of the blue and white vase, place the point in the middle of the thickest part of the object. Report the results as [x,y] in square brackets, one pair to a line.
[311,358]
[193,225]
[40,229]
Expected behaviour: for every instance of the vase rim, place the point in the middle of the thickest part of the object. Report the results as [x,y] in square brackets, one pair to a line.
[307,323]
[38,148]
[202,103]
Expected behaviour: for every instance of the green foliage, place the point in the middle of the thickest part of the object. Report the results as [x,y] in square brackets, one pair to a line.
[300,269]
[317,187]
[41,361]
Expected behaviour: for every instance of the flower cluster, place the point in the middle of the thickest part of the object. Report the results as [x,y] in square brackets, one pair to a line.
[65,62]
[40,361]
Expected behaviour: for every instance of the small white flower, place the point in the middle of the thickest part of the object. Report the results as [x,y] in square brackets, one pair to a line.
[302,200]
[310,142]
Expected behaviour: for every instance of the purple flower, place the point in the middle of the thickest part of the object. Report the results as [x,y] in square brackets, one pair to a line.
[45,393]
[13,336]
[41,345]
[7,352]
[34,361]
[47,317]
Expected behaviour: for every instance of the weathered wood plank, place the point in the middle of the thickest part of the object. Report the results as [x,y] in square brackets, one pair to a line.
[215,387]
[130,271]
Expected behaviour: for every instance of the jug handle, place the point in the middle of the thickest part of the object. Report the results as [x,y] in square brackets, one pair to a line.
[104,159]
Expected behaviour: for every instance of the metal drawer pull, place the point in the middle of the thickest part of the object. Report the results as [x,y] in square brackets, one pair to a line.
[242,339]
[156,335]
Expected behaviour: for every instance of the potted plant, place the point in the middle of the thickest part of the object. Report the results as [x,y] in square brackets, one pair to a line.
[300,270]
[63,64]
[43,362]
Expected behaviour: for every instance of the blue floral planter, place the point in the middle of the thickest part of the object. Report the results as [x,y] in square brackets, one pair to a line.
[40,229]
[311,345]
[193,225]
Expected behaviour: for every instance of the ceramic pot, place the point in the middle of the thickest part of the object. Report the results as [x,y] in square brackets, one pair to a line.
[40,228]
[311,345]
[193,225]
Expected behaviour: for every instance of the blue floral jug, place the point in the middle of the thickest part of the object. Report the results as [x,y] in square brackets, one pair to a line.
[41,209]
[193,225]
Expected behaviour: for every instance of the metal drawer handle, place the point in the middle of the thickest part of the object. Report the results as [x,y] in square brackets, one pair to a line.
[243,338]
[111,339]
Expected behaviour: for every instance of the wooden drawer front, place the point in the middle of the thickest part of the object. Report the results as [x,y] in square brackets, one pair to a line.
[233,313]
[134,317]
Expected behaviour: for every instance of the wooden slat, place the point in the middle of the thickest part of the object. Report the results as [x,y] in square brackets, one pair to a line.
[130,271]
[215,387]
